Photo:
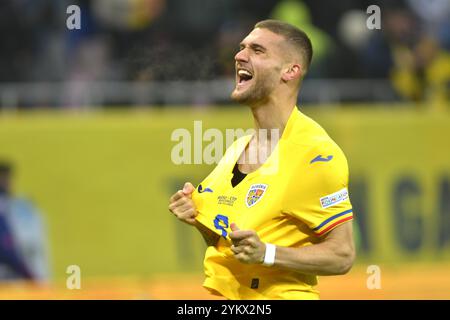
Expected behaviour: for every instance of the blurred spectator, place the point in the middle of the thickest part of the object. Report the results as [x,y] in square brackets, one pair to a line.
[23,250]
[297,13]
[422,72]
[421,68]
[171,40]
[127,15]
[353,31]
[435,16]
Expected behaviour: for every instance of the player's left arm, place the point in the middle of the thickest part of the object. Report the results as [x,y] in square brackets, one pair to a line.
[333,255]
[317,196]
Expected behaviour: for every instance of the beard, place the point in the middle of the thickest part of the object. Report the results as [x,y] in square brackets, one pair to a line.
[256,92]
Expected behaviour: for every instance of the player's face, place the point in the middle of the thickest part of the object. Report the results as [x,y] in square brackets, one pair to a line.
[258,67]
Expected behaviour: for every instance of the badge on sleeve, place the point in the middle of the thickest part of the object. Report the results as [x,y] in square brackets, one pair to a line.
[334,198]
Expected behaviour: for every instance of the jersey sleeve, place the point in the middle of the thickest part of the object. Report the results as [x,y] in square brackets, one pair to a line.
[317,191]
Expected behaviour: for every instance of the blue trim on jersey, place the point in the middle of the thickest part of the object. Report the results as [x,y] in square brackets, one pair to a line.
[332,218]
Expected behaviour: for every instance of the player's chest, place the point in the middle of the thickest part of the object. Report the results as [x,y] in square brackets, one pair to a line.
[251,203]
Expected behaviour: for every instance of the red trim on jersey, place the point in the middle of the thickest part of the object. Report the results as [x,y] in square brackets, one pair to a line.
[334,224]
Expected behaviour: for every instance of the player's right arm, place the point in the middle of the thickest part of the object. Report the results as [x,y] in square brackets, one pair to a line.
[183,207]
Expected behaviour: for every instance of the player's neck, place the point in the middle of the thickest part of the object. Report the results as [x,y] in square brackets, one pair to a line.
[272,116]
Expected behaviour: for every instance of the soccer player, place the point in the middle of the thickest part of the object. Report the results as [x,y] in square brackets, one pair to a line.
[273,224]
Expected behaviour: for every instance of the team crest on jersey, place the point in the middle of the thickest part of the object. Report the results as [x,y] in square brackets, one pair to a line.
[255,193]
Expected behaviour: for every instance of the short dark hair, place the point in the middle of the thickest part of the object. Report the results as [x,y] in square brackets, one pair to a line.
[296,37]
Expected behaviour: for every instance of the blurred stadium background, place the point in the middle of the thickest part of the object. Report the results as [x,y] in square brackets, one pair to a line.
[86,118]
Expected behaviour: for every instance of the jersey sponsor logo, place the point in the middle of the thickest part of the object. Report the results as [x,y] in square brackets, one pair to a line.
[201,190]
[319,158]
[221,224]
[334,198]
[255,193]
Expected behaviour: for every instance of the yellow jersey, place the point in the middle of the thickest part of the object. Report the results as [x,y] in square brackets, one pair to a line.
[296,196]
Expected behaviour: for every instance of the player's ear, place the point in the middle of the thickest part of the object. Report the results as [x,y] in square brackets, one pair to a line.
[292,72]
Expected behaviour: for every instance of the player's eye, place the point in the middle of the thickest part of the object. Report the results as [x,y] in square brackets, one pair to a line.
[258,49]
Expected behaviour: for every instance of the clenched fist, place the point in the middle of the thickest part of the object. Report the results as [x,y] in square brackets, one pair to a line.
[247,247]
[182,206]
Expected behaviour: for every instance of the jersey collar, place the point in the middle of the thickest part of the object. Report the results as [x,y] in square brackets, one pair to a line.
[293,118]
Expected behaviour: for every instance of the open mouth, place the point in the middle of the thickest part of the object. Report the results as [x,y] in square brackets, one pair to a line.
[243,76]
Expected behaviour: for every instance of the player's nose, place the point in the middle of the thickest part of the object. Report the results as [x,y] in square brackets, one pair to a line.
[241,56]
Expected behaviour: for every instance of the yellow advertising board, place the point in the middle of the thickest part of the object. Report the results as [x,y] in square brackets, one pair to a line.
[102,181]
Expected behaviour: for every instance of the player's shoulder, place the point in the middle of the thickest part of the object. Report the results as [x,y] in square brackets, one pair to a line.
[310,139]
[306,131]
